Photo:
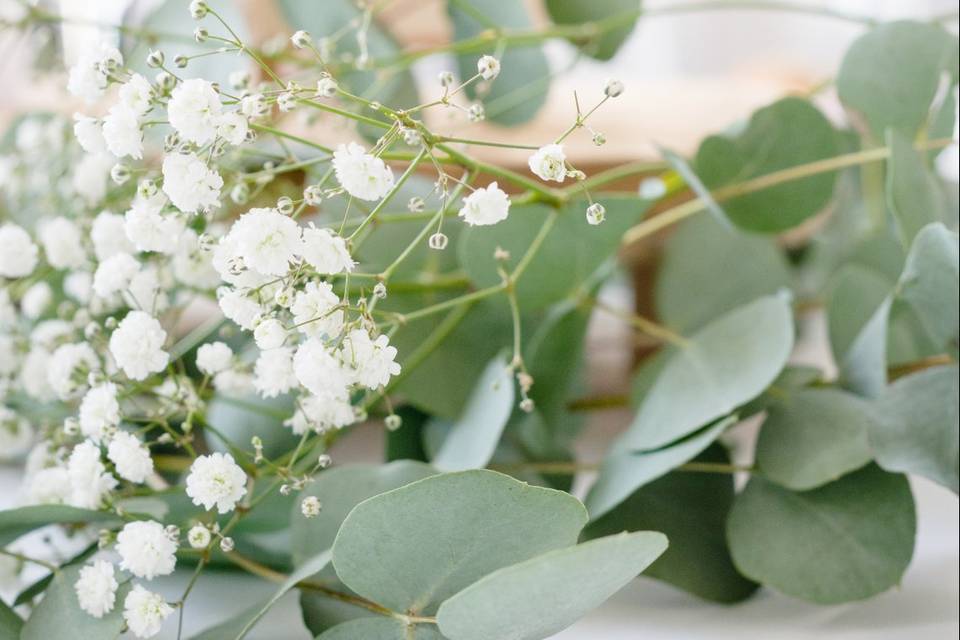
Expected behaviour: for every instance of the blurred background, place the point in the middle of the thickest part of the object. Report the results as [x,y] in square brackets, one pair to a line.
[688,74]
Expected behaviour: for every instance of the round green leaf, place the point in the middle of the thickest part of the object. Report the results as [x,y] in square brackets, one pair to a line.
[913,192]
[515,95]
[615,18]
[471,441]
[847,540]
[722,366]
[917,430]
[688,292]
[691,510]
[788,133]
[930,283]
[570,254]
[537,598]
[625,471]
[59,616]
[814,436]
[339,490]
[892,73]
[380,628]
[411,548]
[17,522]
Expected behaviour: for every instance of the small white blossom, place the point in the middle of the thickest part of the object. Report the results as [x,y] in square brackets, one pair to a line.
[78,285]
[485,206]
[214,357]
[90,177]
[88,133]
[68,368]
[194,110]
[488,67]
[269,334]
[189,183]
[273,372]
[325,251]
[36,300]
[198,537]
[310,507]
[371,361]
[320,413]
[549,163]
[145,611]
[114,274]
[313,312]
[136,94]
[362,175]
[149,229]
[130,457]
[319,370]
[97,588]
[242,309]
[99,411]
[18,254]
[146,549]
[596,213]
[87,78]
[89,480]
[62,243]
[122,133]
[137,345]
[109,236]
[233,128]
[267,240]
[216,481]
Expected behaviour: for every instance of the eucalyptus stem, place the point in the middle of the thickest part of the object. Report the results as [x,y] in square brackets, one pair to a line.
[687,209]
[644,325]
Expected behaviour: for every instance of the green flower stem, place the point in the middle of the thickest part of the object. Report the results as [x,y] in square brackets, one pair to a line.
[389,196]
[486,143]
[766,181]
[542,193]
[644,325]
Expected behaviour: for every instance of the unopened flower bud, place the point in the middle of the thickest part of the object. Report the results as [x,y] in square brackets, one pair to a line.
[526,405]
[120,173]
[380,290]
[200,34]
[285,205]
[323,461]
[393,422]
[596,213]
[412,137]
[599,139]
[198,9]
[476,112]
[155,59]
[181,61]
[198,537]
[226,545]
[301,39]
[446,79]
[613,88]
[313,195]
[327,87]
[438,241]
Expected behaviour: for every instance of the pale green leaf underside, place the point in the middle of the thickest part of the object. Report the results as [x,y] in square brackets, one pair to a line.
[537,598]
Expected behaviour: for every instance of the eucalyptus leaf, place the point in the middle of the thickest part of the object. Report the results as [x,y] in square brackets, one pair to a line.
[691,509]
[913,193]
[854,293]
[615,18]
[786,134]
[10,622]
[688,292]
[570,254]
[17,522]
[388,548]
[891,74]
[520,90]
[546,594]
[59,616]
[380,628]
[239,627]
[339,490]
[844,541]
[624,471]
[863,367]
[814,436]
[239,418]
[722,366]
[917,428]
[930,283]
[471,441]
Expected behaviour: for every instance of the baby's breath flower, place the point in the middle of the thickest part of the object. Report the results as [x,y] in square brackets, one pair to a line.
[199,537]
[488,67]
[310,507]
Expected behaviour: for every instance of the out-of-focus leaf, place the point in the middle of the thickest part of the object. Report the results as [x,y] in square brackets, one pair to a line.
[617,18]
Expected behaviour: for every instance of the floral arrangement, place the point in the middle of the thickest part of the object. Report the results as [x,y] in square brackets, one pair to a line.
[197,300]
